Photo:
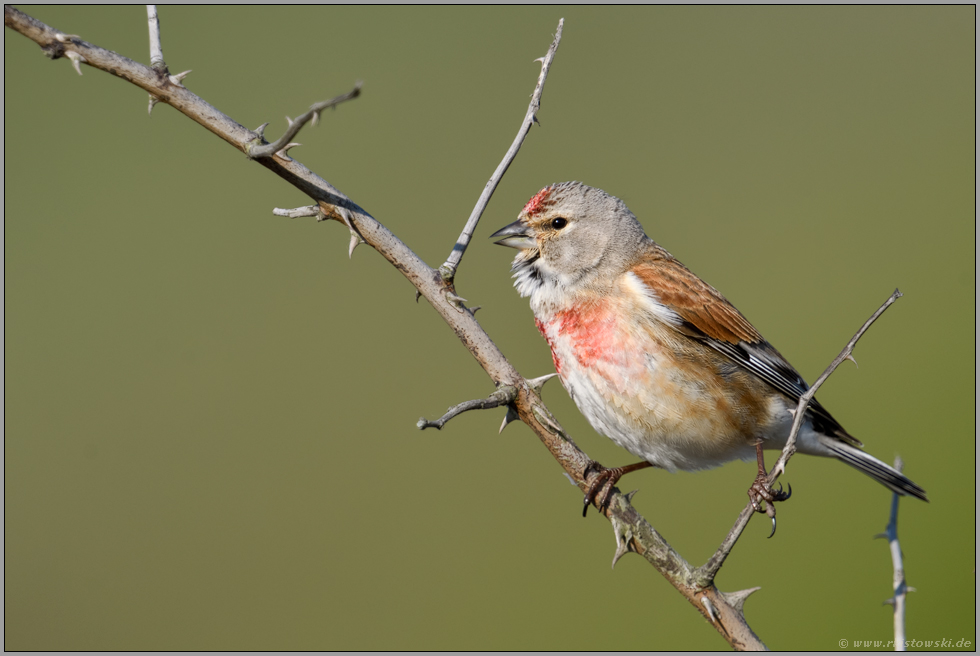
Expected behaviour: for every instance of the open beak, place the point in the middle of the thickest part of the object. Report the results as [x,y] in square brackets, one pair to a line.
[516,235]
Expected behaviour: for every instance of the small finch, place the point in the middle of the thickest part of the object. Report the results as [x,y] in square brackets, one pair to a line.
[655,358]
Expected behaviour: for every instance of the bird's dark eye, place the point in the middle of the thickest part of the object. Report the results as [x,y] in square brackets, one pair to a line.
[559,223]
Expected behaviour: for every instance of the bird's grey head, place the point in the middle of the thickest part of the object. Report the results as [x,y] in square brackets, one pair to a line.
[570,234]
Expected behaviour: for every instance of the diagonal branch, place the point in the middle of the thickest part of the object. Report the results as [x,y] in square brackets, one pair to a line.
[708,571]
[448,269]
[800,414]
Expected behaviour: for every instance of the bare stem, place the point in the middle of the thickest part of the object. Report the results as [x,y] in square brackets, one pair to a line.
[899,587]
[448,269]
[297,212]
[313,114]
[846,354]
[707,572]
[156,50]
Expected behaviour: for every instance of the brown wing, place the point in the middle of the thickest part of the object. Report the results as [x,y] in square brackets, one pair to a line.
[707,317]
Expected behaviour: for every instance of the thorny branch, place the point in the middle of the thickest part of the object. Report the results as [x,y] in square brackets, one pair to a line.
[448,269]
[633,533]
[709,570]
[800,414]
[899,587]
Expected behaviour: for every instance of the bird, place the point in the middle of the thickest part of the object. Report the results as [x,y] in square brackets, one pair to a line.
[657,359]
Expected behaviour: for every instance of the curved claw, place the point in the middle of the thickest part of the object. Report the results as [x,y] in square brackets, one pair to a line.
[773,526]
[605,478]
[780,495]
[593,492]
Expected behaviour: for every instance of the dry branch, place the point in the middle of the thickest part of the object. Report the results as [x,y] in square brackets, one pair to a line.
[451,264]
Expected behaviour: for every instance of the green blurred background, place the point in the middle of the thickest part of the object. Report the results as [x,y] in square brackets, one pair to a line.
[210,435]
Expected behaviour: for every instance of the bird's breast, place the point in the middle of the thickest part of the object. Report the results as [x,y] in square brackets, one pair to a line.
[596,337]
[650,390]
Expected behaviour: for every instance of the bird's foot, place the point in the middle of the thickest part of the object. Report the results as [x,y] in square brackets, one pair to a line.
[604,478]
[761,491]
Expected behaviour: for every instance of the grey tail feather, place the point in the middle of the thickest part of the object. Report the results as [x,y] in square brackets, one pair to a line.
[876,469]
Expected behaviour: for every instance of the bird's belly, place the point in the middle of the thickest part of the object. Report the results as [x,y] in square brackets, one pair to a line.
[668,407]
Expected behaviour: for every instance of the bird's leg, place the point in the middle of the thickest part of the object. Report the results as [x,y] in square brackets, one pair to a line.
[603,477]
[762,491]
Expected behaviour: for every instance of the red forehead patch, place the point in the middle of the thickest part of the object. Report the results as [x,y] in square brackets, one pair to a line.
[539,201]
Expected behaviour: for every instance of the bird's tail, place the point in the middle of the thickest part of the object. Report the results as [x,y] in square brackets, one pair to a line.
[876,469]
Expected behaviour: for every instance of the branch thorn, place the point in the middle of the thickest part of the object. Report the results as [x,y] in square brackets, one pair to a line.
[737,599]
[509,417]
[177,79]
[537,383]
[261,130]
[623,533]
[76,59]
[710,609]
[282,152]
[355,241]
[153,101]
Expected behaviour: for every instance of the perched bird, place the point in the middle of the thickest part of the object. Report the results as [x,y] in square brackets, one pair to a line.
[655,358]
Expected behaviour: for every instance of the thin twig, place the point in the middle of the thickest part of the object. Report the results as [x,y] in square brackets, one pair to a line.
[297,212]
[448,269]
[156,50]
[801,407]
[503,396]
[313,114]
[707,572]
[899,587]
